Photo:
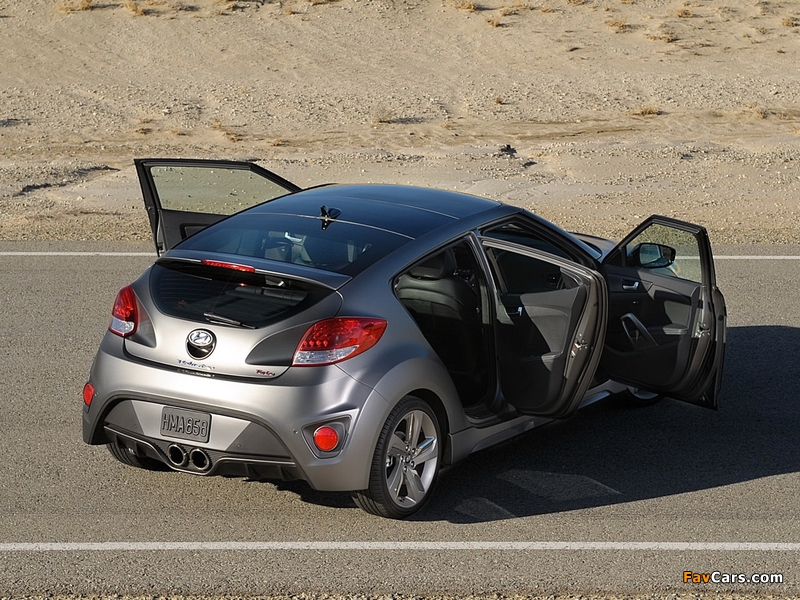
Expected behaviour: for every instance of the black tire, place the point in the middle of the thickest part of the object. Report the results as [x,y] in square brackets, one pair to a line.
[126,457]
[404,471]
[638,397]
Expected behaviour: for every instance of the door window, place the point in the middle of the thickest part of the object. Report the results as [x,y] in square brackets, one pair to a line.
[667,251]
[518,234]
[217,190]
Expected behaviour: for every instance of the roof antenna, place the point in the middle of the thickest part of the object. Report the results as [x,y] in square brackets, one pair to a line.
[328,215]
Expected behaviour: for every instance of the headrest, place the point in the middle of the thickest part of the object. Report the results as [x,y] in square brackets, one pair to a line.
[436,267]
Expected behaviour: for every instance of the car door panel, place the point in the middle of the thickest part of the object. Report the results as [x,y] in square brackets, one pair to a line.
[545,338]
[666,324]
[537,343]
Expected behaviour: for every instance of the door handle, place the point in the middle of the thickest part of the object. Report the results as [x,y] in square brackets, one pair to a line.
[631,286]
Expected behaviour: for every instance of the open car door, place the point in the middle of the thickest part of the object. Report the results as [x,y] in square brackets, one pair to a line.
[549,325]
[183,196]
[666,316]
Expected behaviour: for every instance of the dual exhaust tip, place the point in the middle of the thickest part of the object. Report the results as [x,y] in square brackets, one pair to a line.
[195,458]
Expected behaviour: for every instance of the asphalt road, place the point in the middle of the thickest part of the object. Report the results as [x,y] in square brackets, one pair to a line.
[603,482]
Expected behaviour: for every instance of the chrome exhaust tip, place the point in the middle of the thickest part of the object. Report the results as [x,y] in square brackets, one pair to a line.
[177,456]
[200,460]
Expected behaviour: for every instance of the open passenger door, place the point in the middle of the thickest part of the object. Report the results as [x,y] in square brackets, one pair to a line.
[549,326]
[666,316]
[183,196]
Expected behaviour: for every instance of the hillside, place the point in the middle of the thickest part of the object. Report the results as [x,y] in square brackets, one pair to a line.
[608,110]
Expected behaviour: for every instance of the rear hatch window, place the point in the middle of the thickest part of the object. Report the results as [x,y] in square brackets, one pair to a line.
[336,245]
[212,294]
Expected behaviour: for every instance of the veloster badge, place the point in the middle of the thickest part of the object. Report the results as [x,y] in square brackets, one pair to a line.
[200,343]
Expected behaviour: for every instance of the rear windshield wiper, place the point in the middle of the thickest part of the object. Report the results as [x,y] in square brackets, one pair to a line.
[215,318]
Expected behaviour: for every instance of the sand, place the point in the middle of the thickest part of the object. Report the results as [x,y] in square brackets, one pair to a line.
[591,113]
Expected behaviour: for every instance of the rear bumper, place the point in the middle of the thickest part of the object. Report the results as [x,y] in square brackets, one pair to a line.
[258,430]
[188,458]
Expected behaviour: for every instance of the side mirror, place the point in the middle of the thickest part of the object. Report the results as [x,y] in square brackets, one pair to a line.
[651,256]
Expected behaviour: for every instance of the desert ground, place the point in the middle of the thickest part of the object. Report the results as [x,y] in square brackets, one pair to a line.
[592,113]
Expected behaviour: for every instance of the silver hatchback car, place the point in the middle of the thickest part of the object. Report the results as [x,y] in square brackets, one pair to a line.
[362,337]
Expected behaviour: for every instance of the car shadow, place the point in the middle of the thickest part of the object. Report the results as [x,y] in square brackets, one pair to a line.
[615,452]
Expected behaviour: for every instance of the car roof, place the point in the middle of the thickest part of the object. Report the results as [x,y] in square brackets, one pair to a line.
[406,210]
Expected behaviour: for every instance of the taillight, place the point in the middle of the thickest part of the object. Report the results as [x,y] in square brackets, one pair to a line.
[88,393]
[124,315]
[334,340]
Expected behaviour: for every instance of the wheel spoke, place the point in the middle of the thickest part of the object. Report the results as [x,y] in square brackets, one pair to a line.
[394,481]
[426,451]
[414,426]
[414,486]
[397,446]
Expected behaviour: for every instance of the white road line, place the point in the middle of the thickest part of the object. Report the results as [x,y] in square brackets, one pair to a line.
[758,257]
[77,254]
[152,255]
[405,546]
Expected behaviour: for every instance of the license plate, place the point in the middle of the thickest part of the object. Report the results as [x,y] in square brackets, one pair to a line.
[185,424]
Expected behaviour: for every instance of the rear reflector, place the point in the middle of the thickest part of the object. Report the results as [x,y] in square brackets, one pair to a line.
[228,265]
[335,340]
[326,438]
[88,393]
[124,315]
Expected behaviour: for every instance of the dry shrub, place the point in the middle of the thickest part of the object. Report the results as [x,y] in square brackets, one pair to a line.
[663,34]
[646,111]
[618,25]
[576,2]
[758,111]
[628,1]
[547,9]
[383,115]
[317,2]
[493,21]
[229,133]
[68,6]
[135,8]
[684,13]
[514,9]
[790,22]
[467,5]
[227,7]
